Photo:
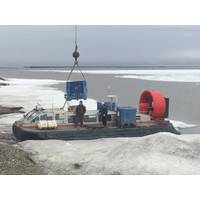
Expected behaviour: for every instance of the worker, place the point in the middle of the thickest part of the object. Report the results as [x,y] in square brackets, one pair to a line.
[104,114]
[80,111]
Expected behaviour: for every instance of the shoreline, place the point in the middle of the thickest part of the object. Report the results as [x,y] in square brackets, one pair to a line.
[13,159]
[3,82]
[9,110]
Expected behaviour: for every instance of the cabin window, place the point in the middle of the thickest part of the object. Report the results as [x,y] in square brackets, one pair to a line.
[71,119]
[43,117]
[49,118]
[90,118]
[59,117]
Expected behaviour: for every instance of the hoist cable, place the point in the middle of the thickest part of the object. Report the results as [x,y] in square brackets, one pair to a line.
[81,72]
[75,55]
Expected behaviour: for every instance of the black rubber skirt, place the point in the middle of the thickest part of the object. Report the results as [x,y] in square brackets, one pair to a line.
[88,133]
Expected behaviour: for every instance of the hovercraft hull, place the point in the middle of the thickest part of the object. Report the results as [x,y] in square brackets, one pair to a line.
[88,133]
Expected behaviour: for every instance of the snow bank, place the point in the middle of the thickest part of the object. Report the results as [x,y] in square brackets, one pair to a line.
[174,75]
[161,153]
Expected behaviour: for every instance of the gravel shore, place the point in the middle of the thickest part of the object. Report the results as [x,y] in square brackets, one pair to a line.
[14,161]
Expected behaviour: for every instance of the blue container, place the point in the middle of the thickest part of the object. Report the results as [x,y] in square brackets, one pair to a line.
[76,90]
[126,117]
[111,105]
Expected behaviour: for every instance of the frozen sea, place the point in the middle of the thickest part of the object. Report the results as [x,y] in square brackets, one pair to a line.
[47,87]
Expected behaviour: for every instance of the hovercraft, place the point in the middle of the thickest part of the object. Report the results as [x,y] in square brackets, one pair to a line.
[60,123]
[42,124]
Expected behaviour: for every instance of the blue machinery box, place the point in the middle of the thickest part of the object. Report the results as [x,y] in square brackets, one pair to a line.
[126,117]
[76,90]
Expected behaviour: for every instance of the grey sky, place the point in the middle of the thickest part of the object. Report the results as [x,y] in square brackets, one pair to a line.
[100,45]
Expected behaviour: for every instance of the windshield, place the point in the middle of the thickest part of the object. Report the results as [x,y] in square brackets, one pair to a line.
[36,119]
[32,116]
[28,114]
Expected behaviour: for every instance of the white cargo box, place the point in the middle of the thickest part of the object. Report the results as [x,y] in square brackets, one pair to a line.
[47,124]
[42,124]
[52,124]
[143,117]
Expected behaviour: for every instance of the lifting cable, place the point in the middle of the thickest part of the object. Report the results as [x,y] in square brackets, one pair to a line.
[75,55]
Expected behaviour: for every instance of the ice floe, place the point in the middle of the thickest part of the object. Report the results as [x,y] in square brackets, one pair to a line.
[180,125]
[170,75]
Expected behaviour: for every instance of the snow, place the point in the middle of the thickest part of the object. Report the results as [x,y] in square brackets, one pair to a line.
[170,75]
[162,153]
[8,119]
[29,92]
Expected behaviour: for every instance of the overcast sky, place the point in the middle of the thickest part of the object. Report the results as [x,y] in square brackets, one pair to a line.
[100,45]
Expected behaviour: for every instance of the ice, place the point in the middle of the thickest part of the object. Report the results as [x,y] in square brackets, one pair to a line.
[29,92]
[180,125]
[170,75]
[161,153]
[165,75]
